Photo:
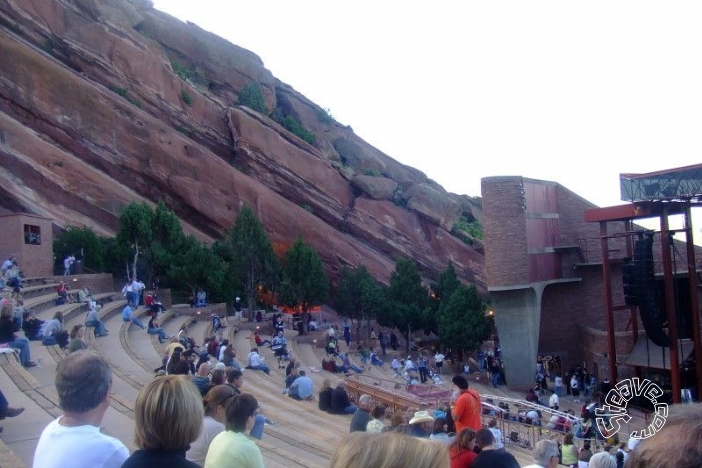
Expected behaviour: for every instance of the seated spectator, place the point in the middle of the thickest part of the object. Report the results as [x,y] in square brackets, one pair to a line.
[168,416]
[232,448]
[76,335]
[488,456]
[31,325]
[361,417]
[229,357]
[375,360]
[235,379]
[212,346]
[155,329]
[201,379]
[301,388]
[8,327]
[53,332]
[545,454]
[93,320]
[364,354]
[215,403]
[439,432]
[329,364]
[340,403]
[84,294]
[349,365]
[155,306]
[83,382]
[312,324]
[259,342]
[362,450]
[257,362]
[290,378]
[606,460]
[129,316]
[178,363]
[461,450]
[62,292]
[496,434]
[376,424]
[421,424]
[218,323]
[332,347]
[325,396]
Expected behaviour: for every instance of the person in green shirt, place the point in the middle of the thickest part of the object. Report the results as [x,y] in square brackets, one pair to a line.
[232,448]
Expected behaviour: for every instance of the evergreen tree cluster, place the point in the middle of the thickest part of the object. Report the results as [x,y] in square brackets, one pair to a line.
[152,246]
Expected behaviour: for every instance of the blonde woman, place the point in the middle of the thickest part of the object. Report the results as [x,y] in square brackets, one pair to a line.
[168,416]
[388,450]
[77,343]
[215,403]
[325,396]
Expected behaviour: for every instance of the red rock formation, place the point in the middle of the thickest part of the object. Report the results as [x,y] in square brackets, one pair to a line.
[105,103]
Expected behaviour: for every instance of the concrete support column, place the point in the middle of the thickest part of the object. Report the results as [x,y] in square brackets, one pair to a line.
[518,319]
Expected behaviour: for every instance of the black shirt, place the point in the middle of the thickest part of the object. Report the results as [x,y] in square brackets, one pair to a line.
[325,399]
[495,459]
[339,400]
[154,458]
[7,330]
[359,421]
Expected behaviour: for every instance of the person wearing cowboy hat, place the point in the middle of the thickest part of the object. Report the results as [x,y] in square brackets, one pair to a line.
[421,424]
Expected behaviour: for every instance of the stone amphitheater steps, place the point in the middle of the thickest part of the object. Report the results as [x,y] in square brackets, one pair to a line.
[297,416]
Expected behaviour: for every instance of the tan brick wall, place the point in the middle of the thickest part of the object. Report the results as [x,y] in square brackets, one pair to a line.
[33,260]
[504,225]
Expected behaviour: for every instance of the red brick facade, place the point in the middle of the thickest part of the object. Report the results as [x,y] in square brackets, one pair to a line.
[30,240]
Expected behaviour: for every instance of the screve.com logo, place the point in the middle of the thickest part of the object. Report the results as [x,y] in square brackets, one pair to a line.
[613,413]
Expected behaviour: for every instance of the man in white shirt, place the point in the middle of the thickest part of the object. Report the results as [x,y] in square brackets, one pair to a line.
[83,383]
[255,362]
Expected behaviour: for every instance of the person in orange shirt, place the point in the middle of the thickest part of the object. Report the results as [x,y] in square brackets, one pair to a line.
[467,408]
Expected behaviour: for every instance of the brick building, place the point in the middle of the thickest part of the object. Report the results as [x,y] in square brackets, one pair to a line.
[545,277]
[29,238]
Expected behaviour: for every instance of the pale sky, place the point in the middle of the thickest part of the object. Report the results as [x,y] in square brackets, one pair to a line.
[573,92]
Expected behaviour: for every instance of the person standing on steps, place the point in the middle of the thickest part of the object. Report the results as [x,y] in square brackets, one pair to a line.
[83,384]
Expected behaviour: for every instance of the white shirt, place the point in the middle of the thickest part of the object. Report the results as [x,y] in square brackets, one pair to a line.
[78,447]
[438,357]
[574,383]
[497,434]
[559,381]
[198,449]
[553,401]
[409,365]
[255,359]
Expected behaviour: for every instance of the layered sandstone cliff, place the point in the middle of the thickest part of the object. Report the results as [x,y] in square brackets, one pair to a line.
[104,103]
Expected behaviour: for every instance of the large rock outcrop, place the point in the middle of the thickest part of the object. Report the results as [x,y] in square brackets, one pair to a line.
[105,103]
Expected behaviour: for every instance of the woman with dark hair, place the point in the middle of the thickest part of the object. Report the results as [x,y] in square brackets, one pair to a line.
[178,365]
[77,343]
[215,403]
[440,433]
[232,449]
[168,417]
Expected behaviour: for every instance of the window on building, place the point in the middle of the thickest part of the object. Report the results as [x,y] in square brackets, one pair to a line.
[32,234]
